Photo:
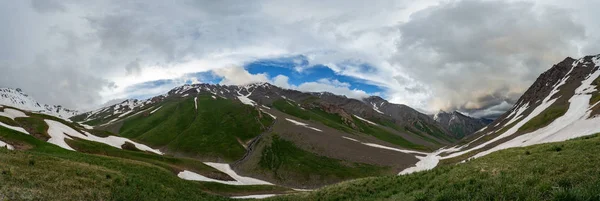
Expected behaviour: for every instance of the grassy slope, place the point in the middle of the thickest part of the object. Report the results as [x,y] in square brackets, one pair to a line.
[596,95]
[545,118]
[554,171]
[335,121]
[286,161]
[212,131]
[48,172]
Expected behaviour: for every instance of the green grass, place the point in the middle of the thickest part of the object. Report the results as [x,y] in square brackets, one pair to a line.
[8,121]
[384,135]
[175,165]
[286,161]
[554,171]
[545,118]
[48,172]
[291,109]
[213,131]
[335,121]
[596,95]
[35,126]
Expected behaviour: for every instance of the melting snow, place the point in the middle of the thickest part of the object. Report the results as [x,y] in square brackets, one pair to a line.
[365,120]
[153,111]
[12,113]
[376,108]
[87,126]
[196,102]
[273,116]
[425,163]
[574,123]
[385,147]
[59,132]
[225,168]
[8,146]
[254,196]
[302,124]
[15,128]
[351,139]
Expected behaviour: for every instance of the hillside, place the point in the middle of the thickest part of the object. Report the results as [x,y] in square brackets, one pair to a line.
[237,125]
[553,171]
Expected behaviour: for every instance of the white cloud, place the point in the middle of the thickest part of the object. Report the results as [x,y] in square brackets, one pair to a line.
[429,54]
[322,85]
[237,75]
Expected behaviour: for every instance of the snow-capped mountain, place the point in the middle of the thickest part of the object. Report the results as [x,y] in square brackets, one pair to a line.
[562,104]
[18,99]
[265,94]
[459,124]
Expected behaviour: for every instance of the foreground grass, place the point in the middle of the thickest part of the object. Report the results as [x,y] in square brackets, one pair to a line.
[555,171]
[48,172]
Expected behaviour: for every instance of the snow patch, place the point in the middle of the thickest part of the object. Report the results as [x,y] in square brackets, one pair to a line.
[196,102]
[59,132]
[425,163]
[385,147]
[303,124]
[376,108]
[225,168]
[15,128]
[365,120]
[153,111]
[6,145]
[254,196]
[351,139]
[87,126]
[12,113]
[273,116]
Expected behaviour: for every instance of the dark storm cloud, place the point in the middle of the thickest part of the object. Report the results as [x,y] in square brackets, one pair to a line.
[478,54]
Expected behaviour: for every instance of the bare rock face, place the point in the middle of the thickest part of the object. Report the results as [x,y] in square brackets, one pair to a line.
[333,109]
[459,124]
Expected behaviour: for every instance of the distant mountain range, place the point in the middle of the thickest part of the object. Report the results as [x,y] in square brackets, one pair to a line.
[460,125]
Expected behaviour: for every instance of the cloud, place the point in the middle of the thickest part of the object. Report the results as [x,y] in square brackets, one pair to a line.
[322,85]
[239,76]
[430,54]
[477,54]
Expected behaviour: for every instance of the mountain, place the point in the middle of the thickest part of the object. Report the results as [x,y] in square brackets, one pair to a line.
[560,105]
[459,124]
[261,129]
[16,98]
[532,148]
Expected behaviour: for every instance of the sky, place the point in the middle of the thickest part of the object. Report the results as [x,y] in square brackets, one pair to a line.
[474,56]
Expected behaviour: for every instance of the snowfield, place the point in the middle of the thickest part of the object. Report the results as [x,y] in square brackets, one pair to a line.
[6,145]
[254,196]
[12,113]
[59,132]
[225,168]
[385,147]
[365,120]
[303,124]
[19,129]
[153,111]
